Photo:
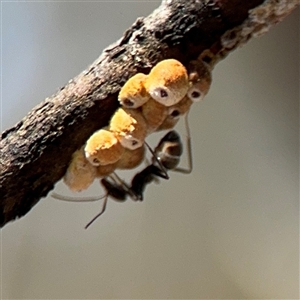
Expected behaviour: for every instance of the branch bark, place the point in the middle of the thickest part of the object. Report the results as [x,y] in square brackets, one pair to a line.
[181,29]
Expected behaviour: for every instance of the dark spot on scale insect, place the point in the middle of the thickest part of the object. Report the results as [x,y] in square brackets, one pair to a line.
[163,93]
[128,102]
[96,161]
[195,94]
[175,113]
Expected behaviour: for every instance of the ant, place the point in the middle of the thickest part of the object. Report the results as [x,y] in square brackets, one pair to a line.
[165,157]
[167,154]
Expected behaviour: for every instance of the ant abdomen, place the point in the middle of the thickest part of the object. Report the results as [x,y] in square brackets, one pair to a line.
[169,150]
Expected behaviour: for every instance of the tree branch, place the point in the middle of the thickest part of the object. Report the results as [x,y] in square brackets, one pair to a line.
[30,166]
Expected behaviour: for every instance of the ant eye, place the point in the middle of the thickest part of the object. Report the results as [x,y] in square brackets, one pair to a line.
[128,103]
[163,93]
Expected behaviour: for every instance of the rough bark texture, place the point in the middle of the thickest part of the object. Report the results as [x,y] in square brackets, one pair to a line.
[30,166]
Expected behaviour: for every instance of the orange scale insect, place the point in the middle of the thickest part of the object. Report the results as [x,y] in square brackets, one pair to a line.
[167,82]
[129,127]
[133,94]
[200,79]
[80,173]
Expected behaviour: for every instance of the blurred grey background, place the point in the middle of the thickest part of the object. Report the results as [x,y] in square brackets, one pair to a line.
[228,230]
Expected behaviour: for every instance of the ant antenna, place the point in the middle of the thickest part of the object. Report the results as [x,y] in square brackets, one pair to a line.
[189,149]
[76,199]
[99,214]
[83,199]
[117,191]
[164,171]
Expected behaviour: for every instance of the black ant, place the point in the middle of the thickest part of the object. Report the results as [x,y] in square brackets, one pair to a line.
[167,155]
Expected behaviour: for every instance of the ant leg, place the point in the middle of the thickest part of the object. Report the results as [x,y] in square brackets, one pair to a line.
[164,171]
[100,213]
[121,181]
[189,169]
[147,164]
[125,186]
[76,199]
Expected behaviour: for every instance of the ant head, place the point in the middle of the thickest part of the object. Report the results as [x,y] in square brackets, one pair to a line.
[167,82]
[133,94]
